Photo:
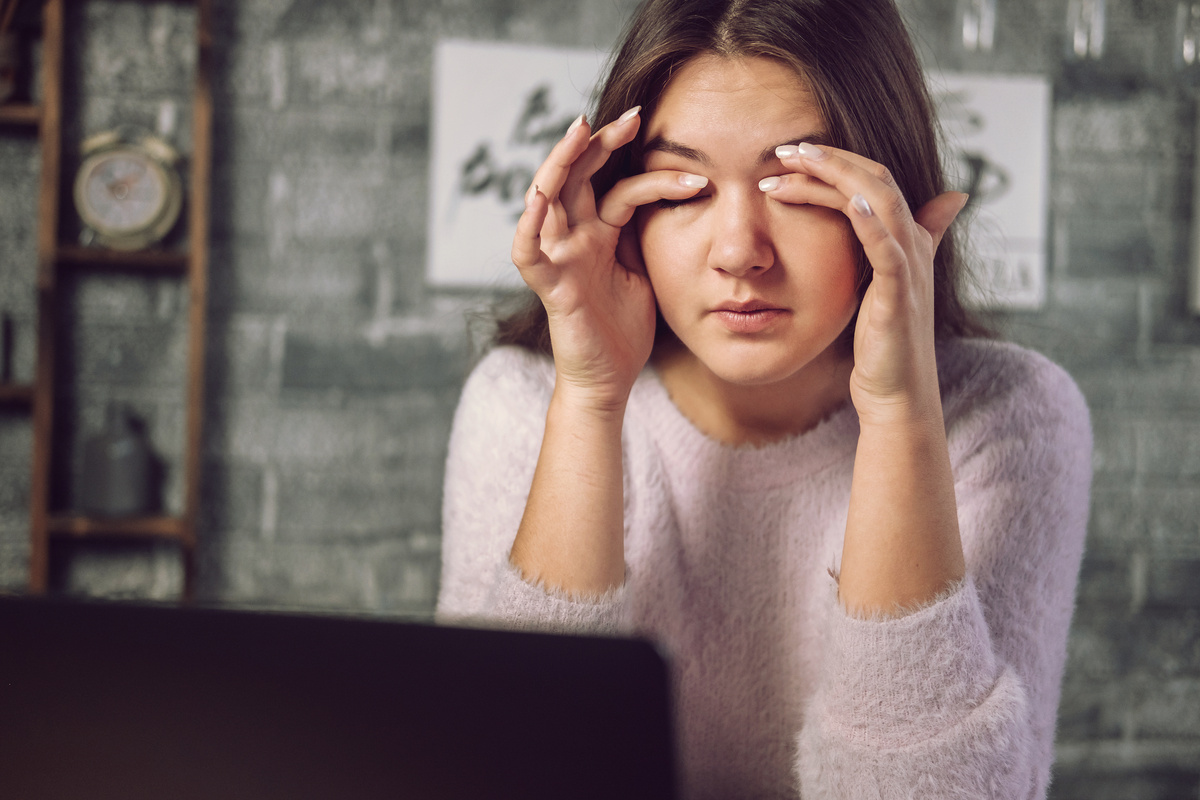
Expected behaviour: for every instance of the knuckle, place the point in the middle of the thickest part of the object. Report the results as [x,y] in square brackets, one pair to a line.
[884,175]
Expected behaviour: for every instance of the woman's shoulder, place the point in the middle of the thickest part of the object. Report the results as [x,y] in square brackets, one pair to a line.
[507,383]
[512,371]
[1010,389]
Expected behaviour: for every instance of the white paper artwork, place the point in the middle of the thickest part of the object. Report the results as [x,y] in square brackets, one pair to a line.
[498,109]
[997,132]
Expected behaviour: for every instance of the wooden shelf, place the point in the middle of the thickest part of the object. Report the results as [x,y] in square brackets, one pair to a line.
[16,394]
[20,114]
[81,527]
[136,260]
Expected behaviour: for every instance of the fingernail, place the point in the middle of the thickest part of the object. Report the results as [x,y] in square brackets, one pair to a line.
[812,152]
[769,184]
[786,151]
[628,115]
[861,205]
[693,181]
[529,195]
[578,121]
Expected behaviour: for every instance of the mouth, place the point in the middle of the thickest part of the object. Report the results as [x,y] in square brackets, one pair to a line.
[746,307]
[751,316]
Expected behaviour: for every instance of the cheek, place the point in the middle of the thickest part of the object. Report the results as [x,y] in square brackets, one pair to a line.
[666,246]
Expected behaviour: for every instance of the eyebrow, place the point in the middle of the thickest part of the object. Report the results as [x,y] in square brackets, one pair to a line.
[661,144]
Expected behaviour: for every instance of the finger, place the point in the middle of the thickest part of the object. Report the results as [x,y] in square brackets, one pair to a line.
[796,188]
[527,253]
[618,206]
[576,195]
[852,174]
[553,172]
[938,214]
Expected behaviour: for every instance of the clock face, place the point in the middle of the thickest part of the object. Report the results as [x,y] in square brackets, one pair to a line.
[127,197]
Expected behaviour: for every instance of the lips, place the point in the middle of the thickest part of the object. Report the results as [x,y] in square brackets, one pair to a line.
[749,316]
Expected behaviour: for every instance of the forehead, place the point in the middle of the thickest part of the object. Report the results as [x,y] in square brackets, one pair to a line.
[735,97]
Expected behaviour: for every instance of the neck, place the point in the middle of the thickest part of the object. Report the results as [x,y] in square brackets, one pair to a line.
[754,414]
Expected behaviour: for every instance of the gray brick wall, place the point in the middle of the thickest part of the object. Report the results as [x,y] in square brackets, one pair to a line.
[333,370]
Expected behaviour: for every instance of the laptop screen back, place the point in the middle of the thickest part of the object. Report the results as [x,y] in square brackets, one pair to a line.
[103,700]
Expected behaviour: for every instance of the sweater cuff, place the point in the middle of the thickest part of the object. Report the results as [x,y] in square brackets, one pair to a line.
[894,682]
[523,605]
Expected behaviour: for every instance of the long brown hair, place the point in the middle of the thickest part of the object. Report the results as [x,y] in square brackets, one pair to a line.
[855,56]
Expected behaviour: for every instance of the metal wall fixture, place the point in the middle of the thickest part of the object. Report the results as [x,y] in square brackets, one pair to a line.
[978,25]
[1085,29]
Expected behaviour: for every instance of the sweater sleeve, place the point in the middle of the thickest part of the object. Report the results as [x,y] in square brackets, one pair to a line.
[494,445]
[958,699]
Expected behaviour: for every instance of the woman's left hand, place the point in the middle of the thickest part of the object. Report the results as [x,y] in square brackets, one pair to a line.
[895,366]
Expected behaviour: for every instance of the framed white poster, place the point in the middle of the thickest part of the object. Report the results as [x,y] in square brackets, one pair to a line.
[998,135]
[498,109]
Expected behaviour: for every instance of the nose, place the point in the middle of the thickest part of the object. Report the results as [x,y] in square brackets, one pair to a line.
[741,241]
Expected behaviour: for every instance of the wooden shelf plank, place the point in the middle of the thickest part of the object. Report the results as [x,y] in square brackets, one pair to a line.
[138,260]
[16,394]
[156,527]
[20,114]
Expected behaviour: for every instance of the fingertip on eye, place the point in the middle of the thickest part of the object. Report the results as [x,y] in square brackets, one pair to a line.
[770,184]
[693,181]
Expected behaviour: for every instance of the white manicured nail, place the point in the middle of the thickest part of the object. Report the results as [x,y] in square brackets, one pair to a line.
[578,121]
[693,181]
[628,115]
[769,184]
[861,205]
[812,152]
[786,151]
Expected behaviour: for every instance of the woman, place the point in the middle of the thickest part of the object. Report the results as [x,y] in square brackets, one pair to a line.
[745,416]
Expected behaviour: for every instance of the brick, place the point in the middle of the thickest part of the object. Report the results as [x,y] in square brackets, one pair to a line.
[232,500]
[117,570]
[337,505]
[1090,710]
[1116,522]
[290,576]
[411,362]
[1172,518]
[1174,583]
[142,49]
[1114,246]
[124,298]
[261,135]
[1166,709]
[340,69]
[1114,445]
[238,354]
[1158,784]
[1104,585]
[1169,449]
[1086,322]
[241,200]
[1165,383]
[1162,642]
[323,281]
[14,565]
[114,354]
[1143,124]
[393,431]
[1106,187]
[14,493]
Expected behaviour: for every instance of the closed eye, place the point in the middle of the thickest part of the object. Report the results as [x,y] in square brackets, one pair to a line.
[666,204]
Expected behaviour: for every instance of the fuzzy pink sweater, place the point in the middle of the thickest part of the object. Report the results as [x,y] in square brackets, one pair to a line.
[780,692]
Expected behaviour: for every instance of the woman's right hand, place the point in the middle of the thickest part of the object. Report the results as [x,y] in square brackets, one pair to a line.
[600,306]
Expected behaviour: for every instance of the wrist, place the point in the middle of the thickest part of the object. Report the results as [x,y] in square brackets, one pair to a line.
[602,404]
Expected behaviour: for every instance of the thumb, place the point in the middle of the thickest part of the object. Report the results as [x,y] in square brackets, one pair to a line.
[936,215]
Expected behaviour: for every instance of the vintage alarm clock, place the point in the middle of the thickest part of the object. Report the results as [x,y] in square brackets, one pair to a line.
[128,190]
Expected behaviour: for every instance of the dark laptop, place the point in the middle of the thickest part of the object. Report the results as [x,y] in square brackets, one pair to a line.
[107,700]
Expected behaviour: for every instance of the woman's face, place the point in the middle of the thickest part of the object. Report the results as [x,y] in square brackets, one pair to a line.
[755,289]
